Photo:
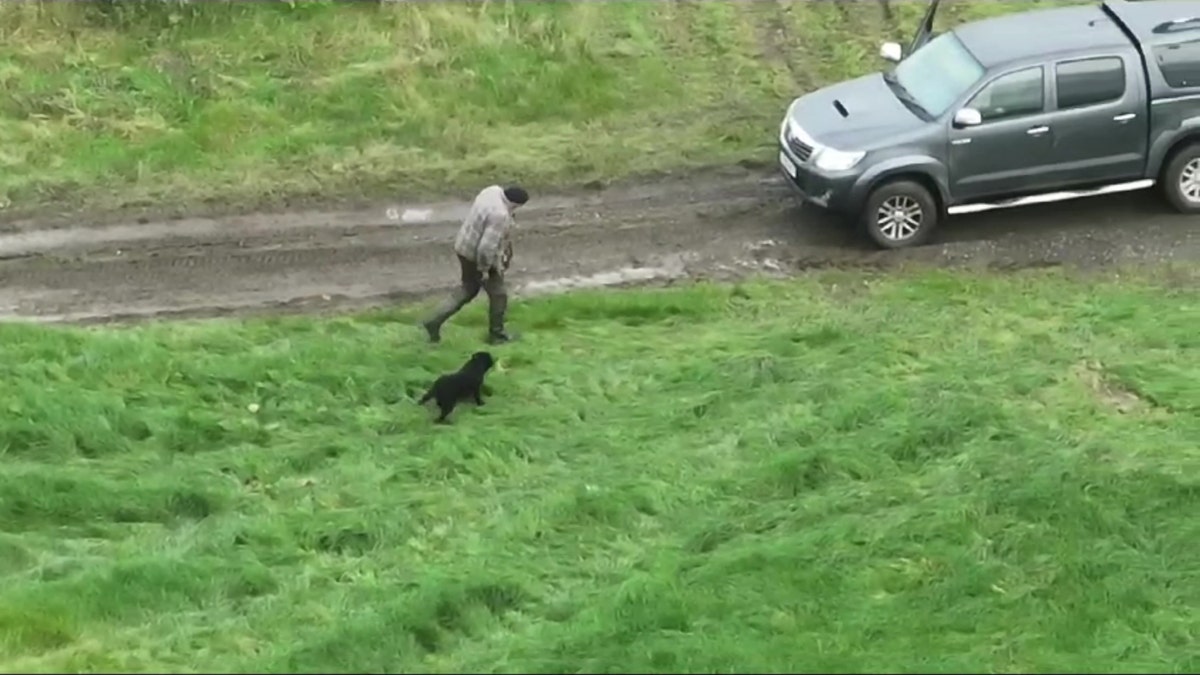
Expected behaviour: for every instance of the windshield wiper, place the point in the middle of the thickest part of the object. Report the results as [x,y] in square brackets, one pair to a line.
[905,95]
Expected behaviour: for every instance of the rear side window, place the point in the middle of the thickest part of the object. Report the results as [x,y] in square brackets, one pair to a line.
[1179,64]
[1089,82]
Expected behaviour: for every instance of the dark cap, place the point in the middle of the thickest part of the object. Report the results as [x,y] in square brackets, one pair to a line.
[516,195]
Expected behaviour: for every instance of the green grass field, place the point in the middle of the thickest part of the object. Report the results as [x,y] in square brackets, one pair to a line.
[935,472]
[256,104]
[929,472]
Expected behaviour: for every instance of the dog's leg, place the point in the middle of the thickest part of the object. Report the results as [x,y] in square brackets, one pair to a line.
[479,394]
[447,407]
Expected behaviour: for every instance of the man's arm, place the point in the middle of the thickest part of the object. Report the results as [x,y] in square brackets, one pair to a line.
[491,243]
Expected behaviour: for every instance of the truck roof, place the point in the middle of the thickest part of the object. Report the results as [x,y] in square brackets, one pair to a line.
[1156,22]
[1022,35]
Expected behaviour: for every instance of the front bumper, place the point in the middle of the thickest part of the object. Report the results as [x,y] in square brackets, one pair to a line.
[825,190]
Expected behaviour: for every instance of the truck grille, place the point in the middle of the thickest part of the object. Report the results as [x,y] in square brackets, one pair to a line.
[798,147]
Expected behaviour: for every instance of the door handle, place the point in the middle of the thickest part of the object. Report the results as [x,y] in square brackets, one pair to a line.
[1124,118]
[1038,131]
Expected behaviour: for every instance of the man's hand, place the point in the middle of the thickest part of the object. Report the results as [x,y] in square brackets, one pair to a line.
[507,256]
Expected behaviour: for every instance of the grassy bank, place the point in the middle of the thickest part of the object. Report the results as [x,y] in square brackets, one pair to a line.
[256,103]
[926,473]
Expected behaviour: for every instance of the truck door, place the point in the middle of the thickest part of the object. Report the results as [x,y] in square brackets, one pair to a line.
[1100,121]
[1004,155]
[925,29]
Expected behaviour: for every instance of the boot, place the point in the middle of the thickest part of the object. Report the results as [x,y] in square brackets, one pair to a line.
[503,337]
[496,311]
[452,305]
[433,329]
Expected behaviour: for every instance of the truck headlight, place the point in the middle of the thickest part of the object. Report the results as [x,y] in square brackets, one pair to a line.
[830,159]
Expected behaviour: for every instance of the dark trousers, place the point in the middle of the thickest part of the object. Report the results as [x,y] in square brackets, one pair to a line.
[472,282]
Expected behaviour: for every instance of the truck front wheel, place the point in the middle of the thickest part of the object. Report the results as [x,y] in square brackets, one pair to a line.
[900,214]
[1181,180]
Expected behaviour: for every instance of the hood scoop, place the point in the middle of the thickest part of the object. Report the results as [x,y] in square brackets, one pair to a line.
[841,108]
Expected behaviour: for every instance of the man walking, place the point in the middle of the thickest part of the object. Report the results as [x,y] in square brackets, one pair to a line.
[484,250]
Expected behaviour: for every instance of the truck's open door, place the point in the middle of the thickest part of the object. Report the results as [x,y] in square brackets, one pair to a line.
[925,30]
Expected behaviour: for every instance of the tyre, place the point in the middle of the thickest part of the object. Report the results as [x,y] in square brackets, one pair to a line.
[1181,180]
[900,214]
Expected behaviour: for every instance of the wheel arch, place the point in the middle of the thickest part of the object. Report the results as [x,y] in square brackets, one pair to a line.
[924,171]
[1177,146]
[920,178]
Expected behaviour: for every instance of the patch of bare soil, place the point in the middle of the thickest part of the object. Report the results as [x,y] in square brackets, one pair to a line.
[1106,391]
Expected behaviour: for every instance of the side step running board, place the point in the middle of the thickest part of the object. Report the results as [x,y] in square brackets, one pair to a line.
[1051,197]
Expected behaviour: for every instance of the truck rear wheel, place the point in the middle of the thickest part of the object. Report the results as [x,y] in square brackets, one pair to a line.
[900,214]
[1181,180]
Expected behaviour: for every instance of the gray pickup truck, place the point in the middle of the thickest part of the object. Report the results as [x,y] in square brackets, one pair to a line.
[1037,106]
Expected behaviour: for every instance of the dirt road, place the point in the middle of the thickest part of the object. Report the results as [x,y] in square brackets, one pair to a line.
[715,226]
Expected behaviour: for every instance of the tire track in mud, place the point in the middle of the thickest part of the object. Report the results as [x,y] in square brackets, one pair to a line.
[202,269]
[725,227]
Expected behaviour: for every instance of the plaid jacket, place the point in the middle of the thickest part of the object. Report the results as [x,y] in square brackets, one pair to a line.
[485,233]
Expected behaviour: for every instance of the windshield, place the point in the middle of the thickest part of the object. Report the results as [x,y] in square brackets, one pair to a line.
[937,74]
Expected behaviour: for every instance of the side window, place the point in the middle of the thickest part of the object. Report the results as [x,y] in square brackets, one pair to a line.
[1089,82]
[1180,64]
[1012,95]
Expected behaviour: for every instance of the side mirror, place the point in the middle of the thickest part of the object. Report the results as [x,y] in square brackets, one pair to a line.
[891,51]
[967,117]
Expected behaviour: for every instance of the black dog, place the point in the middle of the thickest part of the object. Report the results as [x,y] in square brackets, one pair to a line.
[466,384]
